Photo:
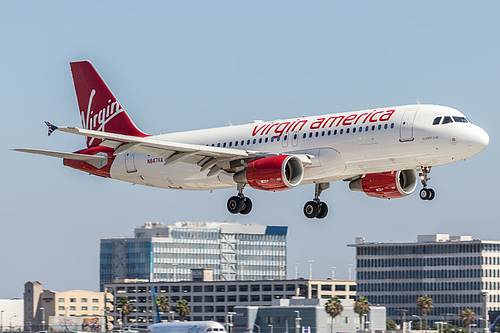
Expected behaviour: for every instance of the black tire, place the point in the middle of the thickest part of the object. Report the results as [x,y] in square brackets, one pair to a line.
[424,194]
[311,209]
[323,210]
[234,205]
[246,207]
[432,194]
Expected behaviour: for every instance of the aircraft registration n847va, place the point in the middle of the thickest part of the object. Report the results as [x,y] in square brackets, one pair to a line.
[378,151]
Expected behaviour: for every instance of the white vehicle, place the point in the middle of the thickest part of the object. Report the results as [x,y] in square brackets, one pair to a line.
[378,151]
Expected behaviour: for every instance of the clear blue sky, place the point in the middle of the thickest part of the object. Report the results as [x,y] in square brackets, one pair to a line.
[181,65]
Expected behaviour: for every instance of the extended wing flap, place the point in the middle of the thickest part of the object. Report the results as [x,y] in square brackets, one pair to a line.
[73,156]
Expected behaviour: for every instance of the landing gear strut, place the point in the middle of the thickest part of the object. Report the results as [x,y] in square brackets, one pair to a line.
[239,204]
[426,193]
[316,208]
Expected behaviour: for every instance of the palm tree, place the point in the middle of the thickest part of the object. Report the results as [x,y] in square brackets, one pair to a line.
[467,317]
[361,307]
[125,307]
[334,308]
[163,304]
[425,304]
[182,308]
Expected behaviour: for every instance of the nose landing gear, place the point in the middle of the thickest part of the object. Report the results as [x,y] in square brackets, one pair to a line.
[426,193]
[316,208]
[239,204]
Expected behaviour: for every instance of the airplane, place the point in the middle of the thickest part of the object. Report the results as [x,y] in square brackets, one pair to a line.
[159,326]
[378,151]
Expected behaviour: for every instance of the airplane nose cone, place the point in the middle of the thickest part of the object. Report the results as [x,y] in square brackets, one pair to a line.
[478,139]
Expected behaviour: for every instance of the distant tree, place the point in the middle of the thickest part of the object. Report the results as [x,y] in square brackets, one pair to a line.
[390,324]
[361,307]
[334,308]
[163,304]
[467,317]
[425,304]
[182,309]
[125,307]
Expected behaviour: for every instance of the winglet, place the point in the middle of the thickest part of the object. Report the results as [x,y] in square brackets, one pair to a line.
[52,128]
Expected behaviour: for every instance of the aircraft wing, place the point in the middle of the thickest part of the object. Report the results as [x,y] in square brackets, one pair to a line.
[73,156]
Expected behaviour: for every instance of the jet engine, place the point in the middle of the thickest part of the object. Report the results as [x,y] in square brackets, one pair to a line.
[387,185]
[274,173]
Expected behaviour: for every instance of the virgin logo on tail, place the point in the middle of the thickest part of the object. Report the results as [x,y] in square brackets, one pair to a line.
[97,120]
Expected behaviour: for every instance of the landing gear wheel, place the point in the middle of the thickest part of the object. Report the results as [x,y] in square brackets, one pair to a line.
[432,194]
[323,210]
[234,205]
[246,206]
[311,209]
[427,194]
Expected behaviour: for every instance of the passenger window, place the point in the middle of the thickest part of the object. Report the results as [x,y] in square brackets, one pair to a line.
[278,138]
[436,121]
[266,140]
[242,142]
[373,128]
[304,136]
[295,136]
[236,143]
[323,133]
[329,133]
[218,145]
[260,140]
[447,120]
[317,133]
[361,129]
[224,145]
[354,130]
[347,131]
[286,137]
[367,128]
[272,139]
[335,132]
[342,131]
[254,141]
[392,125]
[310,135]
[230,144]
[379,127]
[385,126]
[248,142]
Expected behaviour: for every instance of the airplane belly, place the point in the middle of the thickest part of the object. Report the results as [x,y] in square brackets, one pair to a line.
[151,171]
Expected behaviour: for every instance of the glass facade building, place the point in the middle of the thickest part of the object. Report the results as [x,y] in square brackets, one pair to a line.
[161,252]
[457,272]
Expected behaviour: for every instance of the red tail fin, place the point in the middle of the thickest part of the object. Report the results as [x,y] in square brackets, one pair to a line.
[99,108]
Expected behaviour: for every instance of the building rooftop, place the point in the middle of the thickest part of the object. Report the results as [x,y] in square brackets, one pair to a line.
[425,240]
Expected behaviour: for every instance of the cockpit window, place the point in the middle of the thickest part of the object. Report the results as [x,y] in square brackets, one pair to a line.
[460,119]
[447,120]
[436,121]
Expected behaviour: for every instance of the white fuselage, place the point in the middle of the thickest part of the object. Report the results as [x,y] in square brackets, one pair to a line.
[340,146]
[186,327]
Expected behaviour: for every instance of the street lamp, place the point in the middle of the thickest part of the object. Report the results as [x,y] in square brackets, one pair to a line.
[230,321]
[171,315]
[1,321]
[420,318]
[297,321]
[486,328]
[43,318]
[271,328]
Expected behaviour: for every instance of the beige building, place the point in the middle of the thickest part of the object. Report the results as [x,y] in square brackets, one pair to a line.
[40,305]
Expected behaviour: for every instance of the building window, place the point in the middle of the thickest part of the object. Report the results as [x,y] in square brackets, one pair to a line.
[266,287]
[61,308]
[278,287]
[326,287]
[290,287]
[221,289]
[197,299]
[231,287]
[340,287]
[231,298]
[95,308]
[72,300]
[209,309]
[209,299]
[243,287]
[84,300]
[72,308]
[197,289]
[255,287]
[61,300]
[95,300]
[243,298]
[209,289]
[84,308]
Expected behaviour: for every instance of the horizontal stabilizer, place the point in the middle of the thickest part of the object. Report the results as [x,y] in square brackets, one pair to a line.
[72,156]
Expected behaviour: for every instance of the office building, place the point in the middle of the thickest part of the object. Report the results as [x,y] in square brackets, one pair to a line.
[159,252]
[305,315]
[11,315]
[41,306]
[212,300]
[457,272]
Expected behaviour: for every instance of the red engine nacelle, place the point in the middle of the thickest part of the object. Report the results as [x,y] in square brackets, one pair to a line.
[274,173]
[388,185]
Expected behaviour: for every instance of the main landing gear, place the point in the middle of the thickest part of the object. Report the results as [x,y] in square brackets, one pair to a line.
[426,193]
[316,208]
[239,204]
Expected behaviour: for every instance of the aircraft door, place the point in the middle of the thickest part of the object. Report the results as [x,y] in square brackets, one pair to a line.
[285,139]
[406,127]
[130,162]
[295,138]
